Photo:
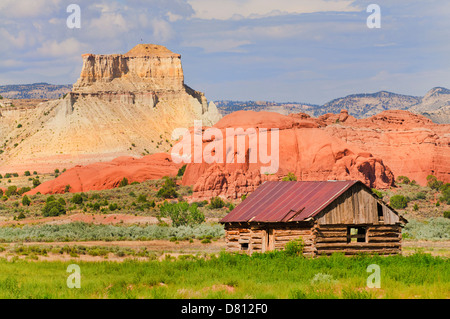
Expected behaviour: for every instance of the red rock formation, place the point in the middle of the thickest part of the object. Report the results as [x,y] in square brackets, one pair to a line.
[304,149]
[409,144]
[331,147]
[108,175]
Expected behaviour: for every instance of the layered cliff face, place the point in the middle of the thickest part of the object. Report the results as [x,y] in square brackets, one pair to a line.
[146,67]
[122,105]
[304,149]
[409,144]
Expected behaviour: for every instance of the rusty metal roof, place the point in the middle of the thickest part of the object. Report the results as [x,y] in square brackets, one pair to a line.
[287,201]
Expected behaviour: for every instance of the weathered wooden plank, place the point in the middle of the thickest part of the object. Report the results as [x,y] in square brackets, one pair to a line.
[355,252]
[389,239]
[355,245]
[384,234]
[331,233]
[342,239]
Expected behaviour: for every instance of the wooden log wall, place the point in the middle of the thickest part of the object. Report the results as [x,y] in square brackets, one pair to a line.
[283,235]
[261,239]
[380,239]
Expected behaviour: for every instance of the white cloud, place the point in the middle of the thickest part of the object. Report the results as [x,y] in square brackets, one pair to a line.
[173,17]
[162,31]
[237,9]
[28,8]
[217,45]
[53,48]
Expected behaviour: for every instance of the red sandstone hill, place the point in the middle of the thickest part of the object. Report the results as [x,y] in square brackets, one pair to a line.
[108,175]
[331,147]
[409,144]
[305,149]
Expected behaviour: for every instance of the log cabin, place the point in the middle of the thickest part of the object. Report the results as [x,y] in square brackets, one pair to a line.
[329,216]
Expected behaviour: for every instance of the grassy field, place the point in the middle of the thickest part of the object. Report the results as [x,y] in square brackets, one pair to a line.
[125,250]
[272,275]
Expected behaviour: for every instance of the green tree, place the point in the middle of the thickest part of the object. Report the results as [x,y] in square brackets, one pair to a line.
[53,208]
[26,201]
[168,189]
[36,182]
[433,182]
[12,190]
[182,214]
[77,199]
[445,192]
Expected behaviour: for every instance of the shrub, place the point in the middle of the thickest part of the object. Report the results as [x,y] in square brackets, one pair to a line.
[23,190]
[142,198]
[123,182]
[377,192]
[27,173]
[289,177]
[49,199]
[416,207]
[445,190]
[67,189]
[447,214]
[403,180]
[431,229]
[398,201]
[181,171]
[421,195]
[433,183]
[53,208]
[26,201]
[21,216]
[113,206]
[294,247]
[216,202]
[168,189]
[77,199]
[62,201]
[12,190]
[36,182]
[182,214]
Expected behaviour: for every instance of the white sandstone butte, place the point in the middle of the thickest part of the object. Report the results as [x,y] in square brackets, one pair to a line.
[122,105]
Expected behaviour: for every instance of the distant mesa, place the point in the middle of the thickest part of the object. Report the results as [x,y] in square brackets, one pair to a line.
[122,105]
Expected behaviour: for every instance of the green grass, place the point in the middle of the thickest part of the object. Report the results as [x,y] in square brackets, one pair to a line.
[272,275]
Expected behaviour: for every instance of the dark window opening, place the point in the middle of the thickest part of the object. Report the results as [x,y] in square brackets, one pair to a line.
[380,212]
[356,234]
[244,246]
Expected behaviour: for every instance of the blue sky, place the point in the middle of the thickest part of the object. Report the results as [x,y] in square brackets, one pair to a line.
[286,50]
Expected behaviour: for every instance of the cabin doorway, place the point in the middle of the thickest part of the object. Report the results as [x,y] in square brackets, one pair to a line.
[268,240]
